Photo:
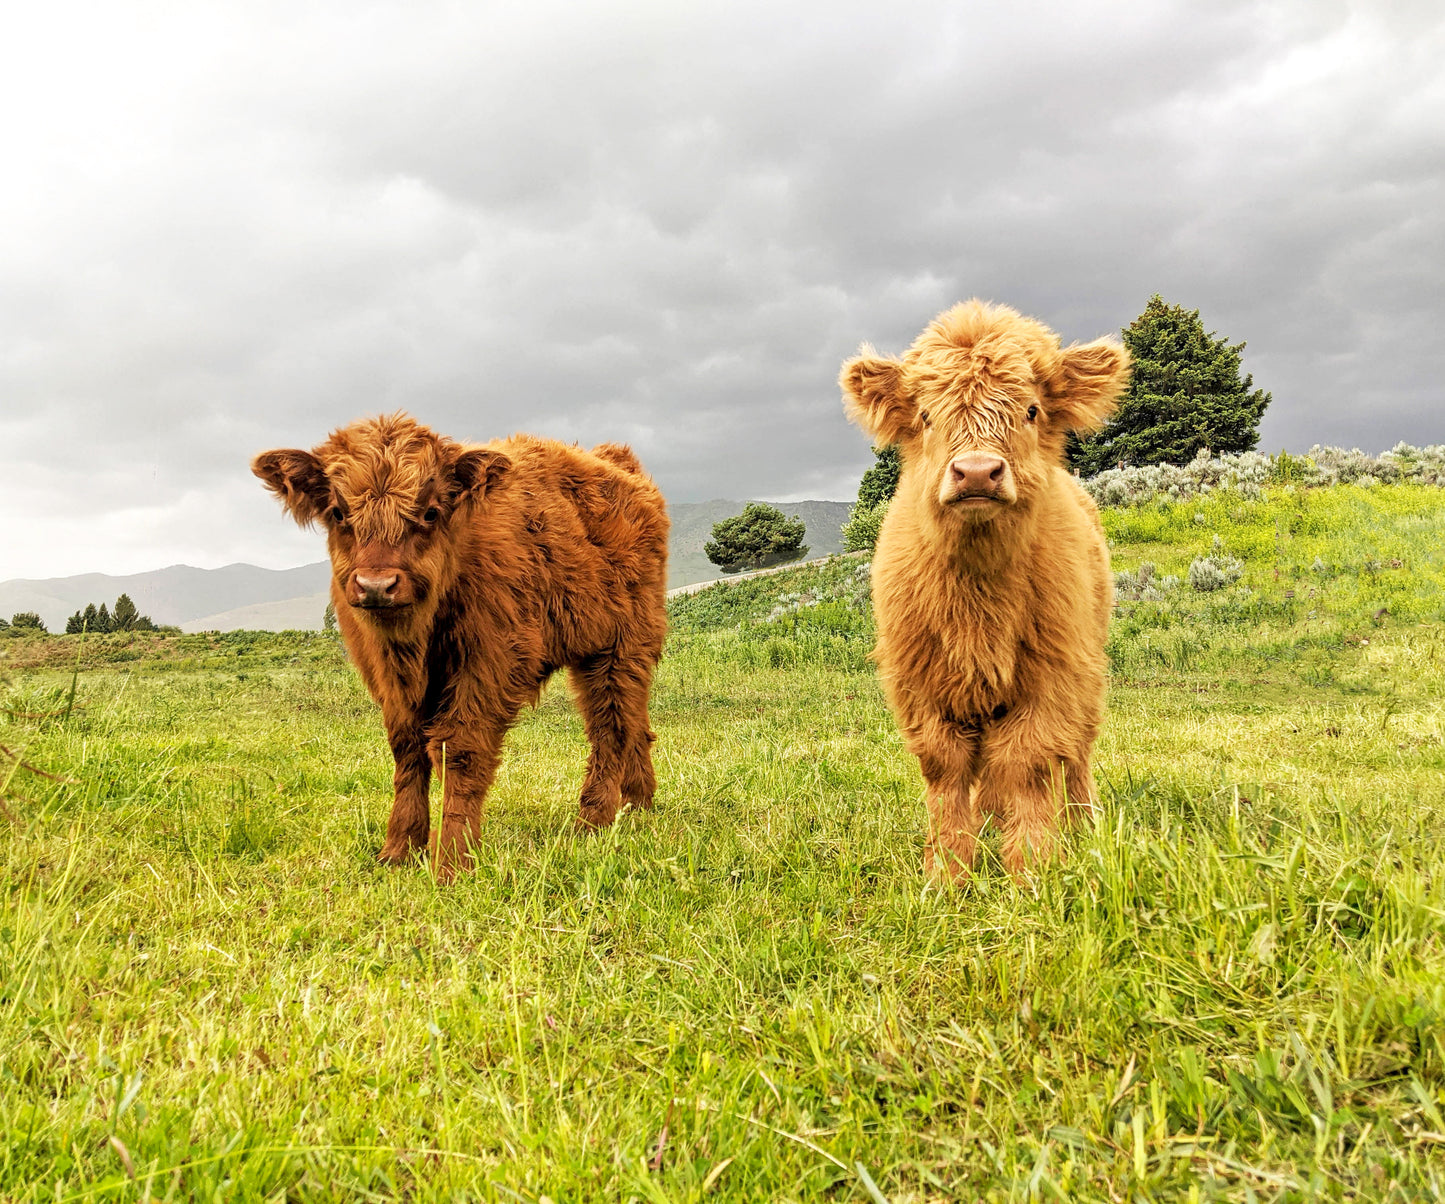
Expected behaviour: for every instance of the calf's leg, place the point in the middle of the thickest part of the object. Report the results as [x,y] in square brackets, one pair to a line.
[1029,795]
[1029,778]
[466,758]
[406,830]
[1082,799]
[612,696]
[947,754]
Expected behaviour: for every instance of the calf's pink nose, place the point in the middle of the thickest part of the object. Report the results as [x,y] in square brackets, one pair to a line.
[977,473]
[377,588]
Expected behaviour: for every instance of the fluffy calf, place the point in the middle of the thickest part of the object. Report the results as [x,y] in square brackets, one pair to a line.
[463,577]
[991,577]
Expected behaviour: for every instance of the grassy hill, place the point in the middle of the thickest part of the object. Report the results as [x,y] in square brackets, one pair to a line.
[1231,989]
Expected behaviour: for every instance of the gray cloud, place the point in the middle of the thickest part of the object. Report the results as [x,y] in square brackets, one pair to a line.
[669,224]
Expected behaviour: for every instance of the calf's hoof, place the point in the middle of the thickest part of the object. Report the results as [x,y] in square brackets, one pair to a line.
[1031,854]
[591,819]
[398,854]
[945,870]
[448,861]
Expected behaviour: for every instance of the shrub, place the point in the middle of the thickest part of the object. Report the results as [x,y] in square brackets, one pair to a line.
[860,532]
[1209,573]
[1143,585]
[875,491]
[880,482]
[757,537]
[1245,473]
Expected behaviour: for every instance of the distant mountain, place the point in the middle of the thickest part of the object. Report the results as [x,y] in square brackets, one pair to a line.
[243,597]
[173,595]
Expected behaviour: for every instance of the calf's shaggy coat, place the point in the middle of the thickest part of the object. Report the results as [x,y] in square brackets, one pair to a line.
[463,577]
[991,578]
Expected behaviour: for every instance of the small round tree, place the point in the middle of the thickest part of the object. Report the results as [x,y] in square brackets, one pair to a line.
[758,537]
[1186,394]
[26,620]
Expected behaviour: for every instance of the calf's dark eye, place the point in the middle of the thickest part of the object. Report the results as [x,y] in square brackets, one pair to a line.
[923,414]
[336,515]
[431,515]
[1033,412]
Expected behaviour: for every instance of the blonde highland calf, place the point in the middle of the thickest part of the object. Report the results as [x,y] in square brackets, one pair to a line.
[991,575]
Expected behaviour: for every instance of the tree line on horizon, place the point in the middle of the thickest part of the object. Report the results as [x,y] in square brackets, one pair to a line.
[125,617]
[95,620]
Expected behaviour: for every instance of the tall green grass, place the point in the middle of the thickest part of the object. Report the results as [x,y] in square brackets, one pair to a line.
[1230,989]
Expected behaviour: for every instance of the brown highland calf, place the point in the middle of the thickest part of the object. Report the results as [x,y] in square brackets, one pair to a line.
[991,577]
[463,577]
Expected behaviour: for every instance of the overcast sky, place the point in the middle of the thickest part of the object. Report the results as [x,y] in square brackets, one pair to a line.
[230,227]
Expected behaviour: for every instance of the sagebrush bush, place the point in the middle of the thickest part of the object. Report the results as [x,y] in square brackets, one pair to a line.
[1209,573]
[1246,473]
[1144,585]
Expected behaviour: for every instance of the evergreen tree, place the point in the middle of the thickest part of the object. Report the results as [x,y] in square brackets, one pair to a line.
[125,615]
[1186,394]
[90,617]
[103,621]
[756,538]
[880,482]
[75,624]
[4,624]
[328,617]
[27,620]
[875,491]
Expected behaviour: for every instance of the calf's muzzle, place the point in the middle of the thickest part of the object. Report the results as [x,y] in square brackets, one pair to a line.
[978,478]
[378,589]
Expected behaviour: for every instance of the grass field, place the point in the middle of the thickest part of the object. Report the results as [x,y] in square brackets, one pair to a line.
[1232,989]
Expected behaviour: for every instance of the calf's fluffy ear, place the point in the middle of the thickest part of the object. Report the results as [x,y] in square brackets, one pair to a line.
[477,469]
[875,398]
[298,479]
[1087,382]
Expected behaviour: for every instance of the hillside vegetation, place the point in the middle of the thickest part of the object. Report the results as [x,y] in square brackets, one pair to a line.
[1233,988]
